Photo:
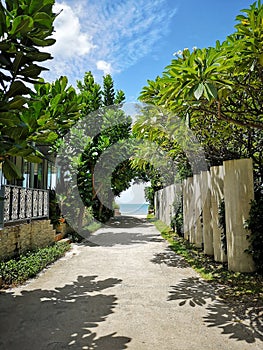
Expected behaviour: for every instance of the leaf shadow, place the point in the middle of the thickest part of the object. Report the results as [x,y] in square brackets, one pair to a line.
[59,319]
[192,290]
[170,258]
[243,327]
[242,324]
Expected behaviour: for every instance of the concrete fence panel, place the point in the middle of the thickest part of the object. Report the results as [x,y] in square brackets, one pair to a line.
[202,196]
[185,212]
[206,212]
[217,195]
[238,192]
[164,202]
[188,209]
[198,235]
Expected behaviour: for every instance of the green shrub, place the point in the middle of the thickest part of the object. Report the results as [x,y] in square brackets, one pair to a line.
[177,221]
[255,225]
[16,271]
[222,224]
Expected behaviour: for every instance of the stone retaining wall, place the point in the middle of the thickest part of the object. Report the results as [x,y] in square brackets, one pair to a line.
[15,240]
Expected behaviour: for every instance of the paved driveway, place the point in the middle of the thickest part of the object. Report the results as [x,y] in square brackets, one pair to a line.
[122,289]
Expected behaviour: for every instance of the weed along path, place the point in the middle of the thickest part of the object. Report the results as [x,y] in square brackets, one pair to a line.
[121,289]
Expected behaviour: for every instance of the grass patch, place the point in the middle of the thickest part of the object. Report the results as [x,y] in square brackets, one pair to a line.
[232,284]
[94,226]
[17,271]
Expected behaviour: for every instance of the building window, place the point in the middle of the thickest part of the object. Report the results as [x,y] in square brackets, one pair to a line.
[52,176]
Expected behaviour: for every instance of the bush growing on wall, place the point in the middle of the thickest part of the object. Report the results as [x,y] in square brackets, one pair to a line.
[178,219]
[255,225]
[222,224]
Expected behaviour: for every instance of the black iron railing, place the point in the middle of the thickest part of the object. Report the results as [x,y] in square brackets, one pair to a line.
[22,204]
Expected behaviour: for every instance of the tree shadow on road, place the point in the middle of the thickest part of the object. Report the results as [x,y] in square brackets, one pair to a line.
[192,290]
[123,230]
[63,318]
[127,222]
[247,326]
[170,258]
[114,238]
[242,324]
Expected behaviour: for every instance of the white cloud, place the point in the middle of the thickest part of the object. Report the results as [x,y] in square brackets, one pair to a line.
[70,40]
[126,31]
[105,35]
[133,195]
[104,66]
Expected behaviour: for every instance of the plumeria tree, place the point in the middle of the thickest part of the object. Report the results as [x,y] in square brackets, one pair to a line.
[217,92]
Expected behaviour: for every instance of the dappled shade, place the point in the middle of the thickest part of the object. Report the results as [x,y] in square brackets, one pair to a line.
[126,230]
[242,324]
[59,319]
[247,328]
[169,258]
[193,290]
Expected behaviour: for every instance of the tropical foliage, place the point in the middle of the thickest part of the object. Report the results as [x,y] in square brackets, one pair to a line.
[28,265]
[255,225]
[98,149]
[25,29]
[217,93]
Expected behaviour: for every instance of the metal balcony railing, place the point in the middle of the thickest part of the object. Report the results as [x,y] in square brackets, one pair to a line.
[22,204]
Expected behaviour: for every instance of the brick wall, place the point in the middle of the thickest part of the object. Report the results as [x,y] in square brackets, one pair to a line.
[15,240]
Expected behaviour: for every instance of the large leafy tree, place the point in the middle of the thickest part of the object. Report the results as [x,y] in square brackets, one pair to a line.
[53,109]
[224,81]
[96,142]
[109,125]
[217,92]
[25,29]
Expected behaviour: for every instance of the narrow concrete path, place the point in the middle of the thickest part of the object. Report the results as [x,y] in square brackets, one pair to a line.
[122,289]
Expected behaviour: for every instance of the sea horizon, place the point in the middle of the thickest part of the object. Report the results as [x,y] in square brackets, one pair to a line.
[134,208]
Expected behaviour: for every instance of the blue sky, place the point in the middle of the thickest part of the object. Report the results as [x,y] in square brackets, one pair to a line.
[134,40]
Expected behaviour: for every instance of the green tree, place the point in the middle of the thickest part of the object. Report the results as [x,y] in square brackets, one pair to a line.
[217,92]
[103,124]
[25,29]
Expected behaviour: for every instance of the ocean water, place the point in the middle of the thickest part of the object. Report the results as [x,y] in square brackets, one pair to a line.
[134,209]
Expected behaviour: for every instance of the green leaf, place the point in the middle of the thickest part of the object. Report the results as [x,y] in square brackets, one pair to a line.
[42,42]
[211,90]
[198,92]
[43,19]
[4,60]
[3,28]
[33,158]
[4,46]
[52,136]
[9,119]
[18,132]
[37,6]
[17,88]
[34,6]
[38,56]
[19,61]
[10,170]
[56,100]
[17,102]
[22,25]
[42,120]
[32,71]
